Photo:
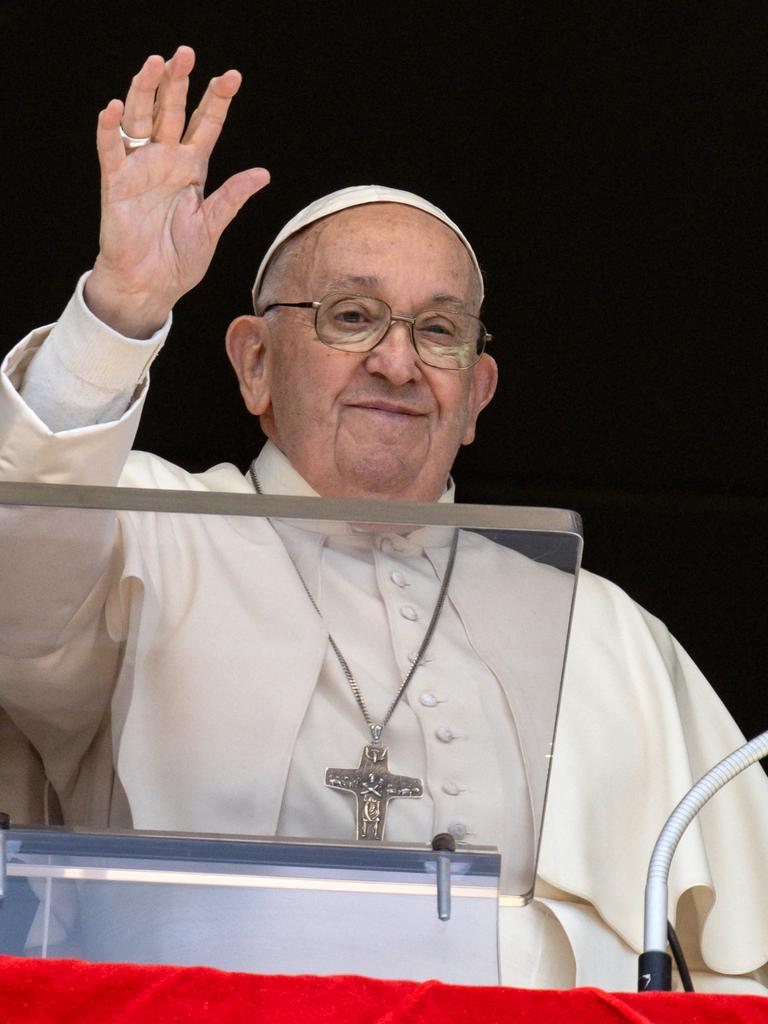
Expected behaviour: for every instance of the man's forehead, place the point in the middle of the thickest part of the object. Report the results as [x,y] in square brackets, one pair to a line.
[373,213]
[366,232]
[362,196]
[373,285]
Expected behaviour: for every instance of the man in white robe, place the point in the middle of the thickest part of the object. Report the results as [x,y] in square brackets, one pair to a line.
[638,723]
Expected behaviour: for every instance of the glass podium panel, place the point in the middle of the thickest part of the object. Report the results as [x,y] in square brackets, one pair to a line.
[287,907]
[167,655]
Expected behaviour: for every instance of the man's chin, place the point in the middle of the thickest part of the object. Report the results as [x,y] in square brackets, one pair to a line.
[382,472]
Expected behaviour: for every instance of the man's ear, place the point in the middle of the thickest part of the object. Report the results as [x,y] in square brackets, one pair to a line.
[485,376]
[248,351]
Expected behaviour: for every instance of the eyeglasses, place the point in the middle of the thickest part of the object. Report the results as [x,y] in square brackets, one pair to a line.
[357,323]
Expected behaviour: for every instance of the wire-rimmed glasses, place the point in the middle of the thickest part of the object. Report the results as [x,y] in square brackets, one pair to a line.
[446,338]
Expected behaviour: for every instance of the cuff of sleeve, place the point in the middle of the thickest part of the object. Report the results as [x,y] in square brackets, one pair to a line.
[93,352]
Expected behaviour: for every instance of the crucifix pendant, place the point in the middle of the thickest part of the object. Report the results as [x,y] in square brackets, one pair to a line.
[373,786]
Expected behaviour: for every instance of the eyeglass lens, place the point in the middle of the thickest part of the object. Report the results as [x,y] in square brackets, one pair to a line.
[443,338]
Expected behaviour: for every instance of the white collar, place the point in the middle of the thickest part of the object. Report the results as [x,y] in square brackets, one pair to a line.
[277,476]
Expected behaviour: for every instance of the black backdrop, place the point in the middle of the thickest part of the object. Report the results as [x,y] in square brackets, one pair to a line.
[605,160]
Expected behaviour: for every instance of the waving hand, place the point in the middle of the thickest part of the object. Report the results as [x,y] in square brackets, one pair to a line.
[158,229]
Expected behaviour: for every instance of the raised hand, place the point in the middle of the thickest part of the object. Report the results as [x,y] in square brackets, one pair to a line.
[158,229]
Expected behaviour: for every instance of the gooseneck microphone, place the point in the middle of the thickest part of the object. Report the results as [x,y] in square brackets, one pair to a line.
[655,966]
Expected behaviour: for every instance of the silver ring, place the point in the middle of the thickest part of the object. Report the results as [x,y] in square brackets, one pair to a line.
[131,143]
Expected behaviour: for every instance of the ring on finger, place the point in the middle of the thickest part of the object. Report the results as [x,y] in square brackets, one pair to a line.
[131,143]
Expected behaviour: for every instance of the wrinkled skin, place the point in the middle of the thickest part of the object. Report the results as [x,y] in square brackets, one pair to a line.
[377,424]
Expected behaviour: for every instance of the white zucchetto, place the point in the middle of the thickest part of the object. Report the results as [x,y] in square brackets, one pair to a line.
[344,199]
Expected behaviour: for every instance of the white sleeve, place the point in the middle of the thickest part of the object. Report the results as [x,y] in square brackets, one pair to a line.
[85,373]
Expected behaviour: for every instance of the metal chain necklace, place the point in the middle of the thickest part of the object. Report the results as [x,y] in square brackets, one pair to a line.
[371,783]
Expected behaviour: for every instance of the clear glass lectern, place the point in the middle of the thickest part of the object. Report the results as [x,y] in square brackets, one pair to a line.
[285,907]
[165,655]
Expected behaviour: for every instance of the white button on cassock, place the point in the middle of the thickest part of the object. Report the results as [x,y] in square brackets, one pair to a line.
[397,578]
[409,613]
[429,700]
[444,734]
[451,788]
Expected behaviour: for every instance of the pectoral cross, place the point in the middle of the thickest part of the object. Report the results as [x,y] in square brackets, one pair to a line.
[373,786]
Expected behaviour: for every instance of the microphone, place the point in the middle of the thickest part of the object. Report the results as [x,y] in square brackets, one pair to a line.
[443,844]
[655,965]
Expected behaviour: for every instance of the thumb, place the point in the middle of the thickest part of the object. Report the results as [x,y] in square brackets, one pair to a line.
[222,205]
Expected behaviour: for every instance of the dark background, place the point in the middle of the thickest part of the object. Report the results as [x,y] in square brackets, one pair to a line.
[606,161]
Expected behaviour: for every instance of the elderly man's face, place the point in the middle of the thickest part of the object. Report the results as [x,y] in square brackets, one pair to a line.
[377,424]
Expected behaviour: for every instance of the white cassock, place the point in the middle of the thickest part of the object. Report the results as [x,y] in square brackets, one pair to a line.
[638,723]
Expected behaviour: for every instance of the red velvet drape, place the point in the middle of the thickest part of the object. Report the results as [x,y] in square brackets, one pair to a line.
[37,991]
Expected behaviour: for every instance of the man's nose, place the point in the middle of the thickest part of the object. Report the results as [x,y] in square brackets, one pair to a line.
[395,356]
